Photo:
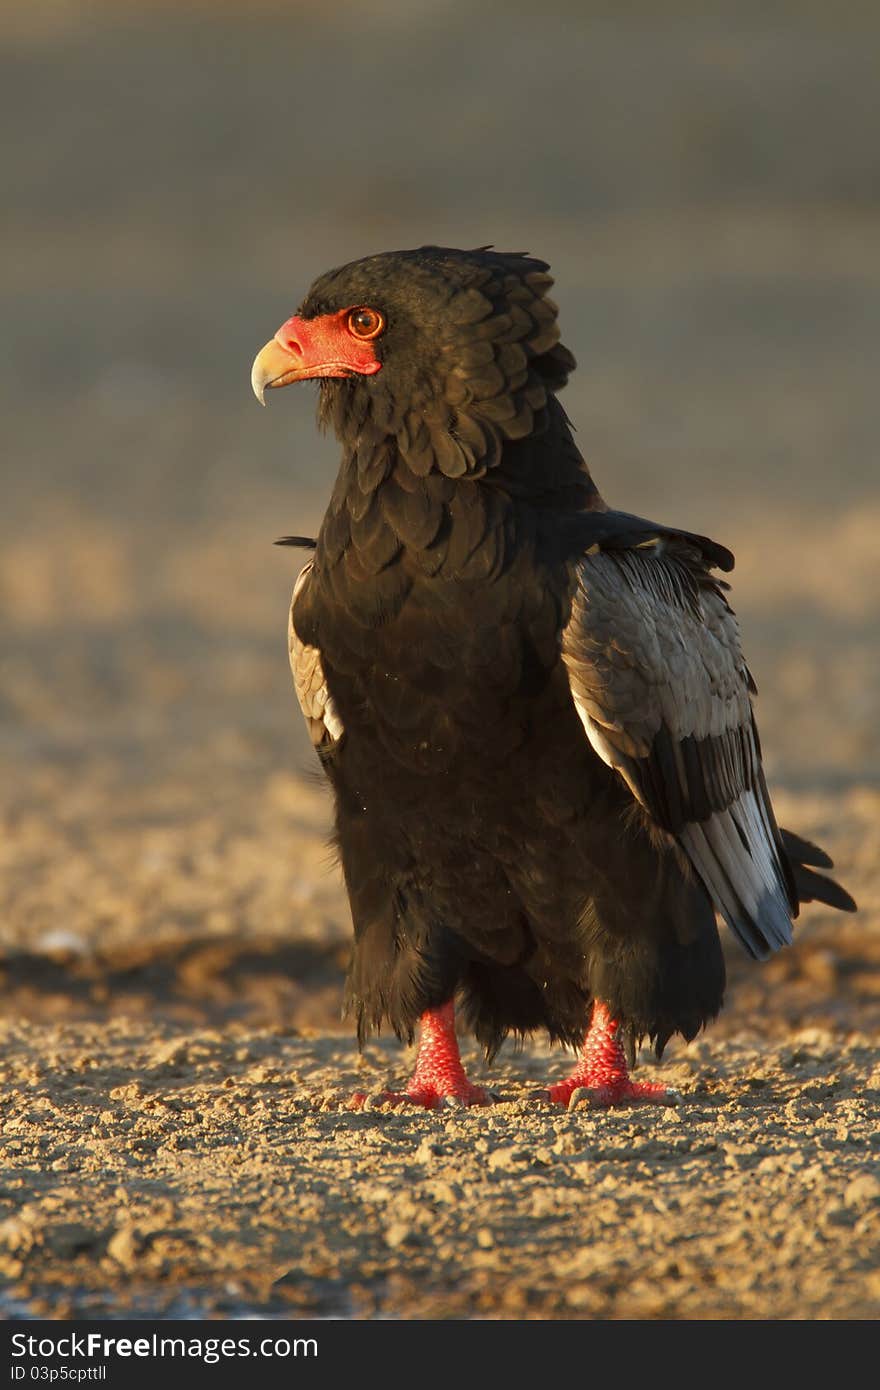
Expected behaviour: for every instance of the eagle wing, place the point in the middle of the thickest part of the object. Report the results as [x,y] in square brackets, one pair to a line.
[322,718]
[659,681]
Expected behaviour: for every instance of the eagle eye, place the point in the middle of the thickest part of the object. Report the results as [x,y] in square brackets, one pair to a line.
[365,323]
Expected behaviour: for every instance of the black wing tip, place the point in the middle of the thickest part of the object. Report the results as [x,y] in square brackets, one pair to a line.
[302,542]
[842,900]
[718,555]
[816,888]
[615,530]
[805,858]
[805,851]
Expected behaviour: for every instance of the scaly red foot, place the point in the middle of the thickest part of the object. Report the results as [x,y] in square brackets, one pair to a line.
[439,1078]
[601,1073]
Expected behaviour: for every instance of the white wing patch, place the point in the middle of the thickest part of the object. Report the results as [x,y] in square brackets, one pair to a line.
[315,700]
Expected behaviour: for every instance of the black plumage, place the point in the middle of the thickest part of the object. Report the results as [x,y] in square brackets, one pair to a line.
[533,710]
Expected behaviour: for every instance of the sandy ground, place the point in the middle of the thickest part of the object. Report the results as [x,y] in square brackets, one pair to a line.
[173,933]
[209,1171]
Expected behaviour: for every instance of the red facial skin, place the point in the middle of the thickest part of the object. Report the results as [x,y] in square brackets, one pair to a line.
[325,346]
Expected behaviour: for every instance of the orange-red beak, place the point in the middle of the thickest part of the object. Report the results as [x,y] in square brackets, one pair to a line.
[306,348]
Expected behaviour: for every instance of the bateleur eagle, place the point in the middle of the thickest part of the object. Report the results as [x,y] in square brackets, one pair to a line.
[533,710]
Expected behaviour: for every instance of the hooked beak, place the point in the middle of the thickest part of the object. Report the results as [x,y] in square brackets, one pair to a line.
[275,365]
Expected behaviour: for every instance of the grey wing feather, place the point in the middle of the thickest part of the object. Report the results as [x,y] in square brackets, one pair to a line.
[663,692]
[316,702]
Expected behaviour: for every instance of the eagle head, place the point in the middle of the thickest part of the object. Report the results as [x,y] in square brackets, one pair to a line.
[450,352]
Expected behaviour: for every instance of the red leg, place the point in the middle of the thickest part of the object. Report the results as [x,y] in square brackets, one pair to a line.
[439,1076]
[601,1069]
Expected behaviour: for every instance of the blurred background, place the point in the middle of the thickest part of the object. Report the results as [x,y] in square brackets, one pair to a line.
[705,180]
